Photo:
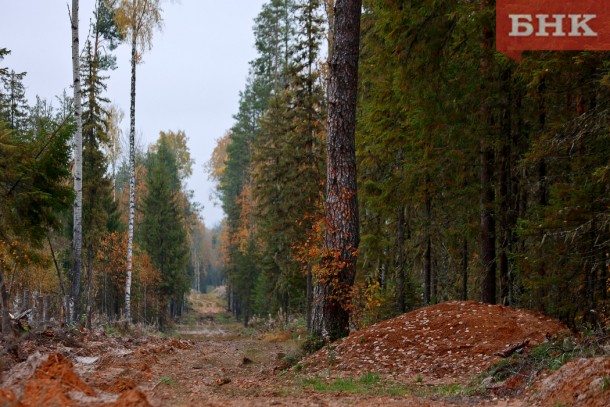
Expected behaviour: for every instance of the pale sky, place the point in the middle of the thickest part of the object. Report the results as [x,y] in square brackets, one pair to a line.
[189,81]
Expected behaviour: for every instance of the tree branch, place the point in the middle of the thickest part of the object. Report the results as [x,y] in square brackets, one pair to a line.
[44,147]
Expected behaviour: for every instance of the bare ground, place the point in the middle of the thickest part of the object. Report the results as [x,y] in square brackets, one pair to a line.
[429,357]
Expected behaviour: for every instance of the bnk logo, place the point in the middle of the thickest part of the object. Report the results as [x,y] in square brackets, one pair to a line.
[523,25]
[552,25]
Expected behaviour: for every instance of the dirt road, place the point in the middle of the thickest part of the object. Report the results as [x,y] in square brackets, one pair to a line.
[211,360]
[223,365]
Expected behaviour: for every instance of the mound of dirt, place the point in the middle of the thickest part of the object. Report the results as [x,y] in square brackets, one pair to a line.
[119,385]
[95,370]
[581,382]
[53,383]
[132,398]
[451,341]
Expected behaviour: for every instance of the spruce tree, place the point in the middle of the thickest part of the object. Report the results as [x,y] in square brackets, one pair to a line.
[34,184]
[100,214]
[13,105]
[288,167]
[162,232]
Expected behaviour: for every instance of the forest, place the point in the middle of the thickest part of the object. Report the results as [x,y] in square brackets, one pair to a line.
[411,216]
[478,177]
[168,252]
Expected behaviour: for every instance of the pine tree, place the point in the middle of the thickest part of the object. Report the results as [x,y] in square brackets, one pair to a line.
[273,33]
[331,317]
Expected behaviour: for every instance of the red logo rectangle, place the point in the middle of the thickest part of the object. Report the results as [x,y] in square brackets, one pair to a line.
[551,25]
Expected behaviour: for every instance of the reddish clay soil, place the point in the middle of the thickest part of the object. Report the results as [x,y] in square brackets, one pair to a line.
[215,364]
[96,370]
[52,383]
[581,382]
[448,342]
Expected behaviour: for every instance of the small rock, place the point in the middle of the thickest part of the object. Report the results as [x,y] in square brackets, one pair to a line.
[596,384]
[222,381]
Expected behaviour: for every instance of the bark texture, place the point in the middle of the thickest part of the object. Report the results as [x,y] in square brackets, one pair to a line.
[331,293]
[400,262]
[6,320]
[465,269]
[429,290]
[487,157]
[77,233]
[488,227]
[132,176]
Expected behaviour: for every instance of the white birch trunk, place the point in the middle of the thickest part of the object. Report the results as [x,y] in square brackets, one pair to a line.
[132,179]
[77,239]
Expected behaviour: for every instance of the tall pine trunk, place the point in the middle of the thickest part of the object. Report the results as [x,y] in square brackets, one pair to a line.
[332,290]
[309,294]
[132,177]
[488,226]
[505,234]
[487,156]
[6,320]
[429,289]
[505,190]
[89,285]
[77,236]
[400,261]
[542,198]
[465,269]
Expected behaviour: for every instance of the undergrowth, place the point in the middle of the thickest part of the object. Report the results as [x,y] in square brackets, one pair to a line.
[512,375]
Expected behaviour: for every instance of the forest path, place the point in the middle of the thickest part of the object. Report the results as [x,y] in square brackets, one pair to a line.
[224,364]
[212,360]
[227,365]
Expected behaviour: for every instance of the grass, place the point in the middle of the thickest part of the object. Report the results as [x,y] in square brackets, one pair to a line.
[372,384]
[168,381]
[606,384]
[368,383]
[551,355]
[547,355]
[447,390]
[222,318]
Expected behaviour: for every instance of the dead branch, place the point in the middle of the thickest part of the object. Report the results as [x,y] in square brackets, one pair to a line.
[512,349]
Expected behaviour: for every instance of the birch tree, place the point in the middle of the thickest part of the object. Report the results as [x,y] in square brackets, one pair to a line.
[113,149]
[137,21]
[77,236]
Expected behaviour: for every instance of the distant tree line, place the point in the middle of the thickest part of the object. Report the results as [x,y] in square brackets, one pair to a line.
[173,251]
